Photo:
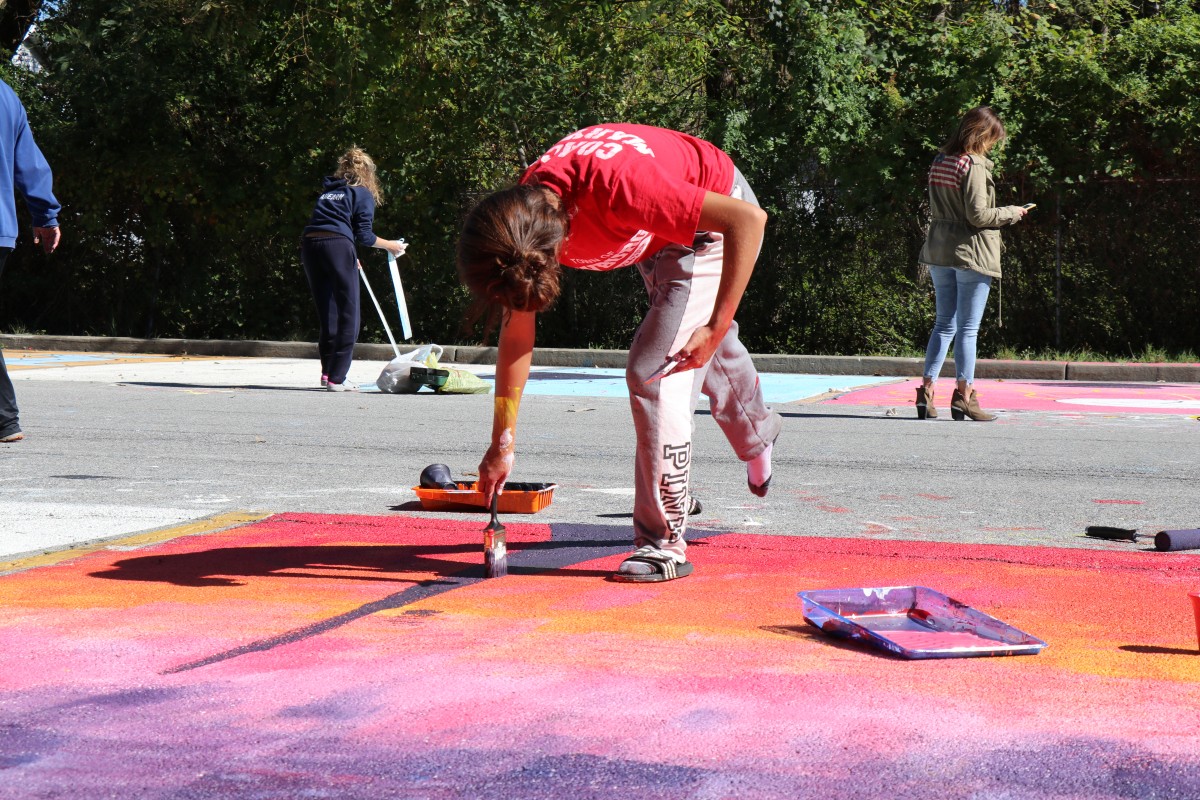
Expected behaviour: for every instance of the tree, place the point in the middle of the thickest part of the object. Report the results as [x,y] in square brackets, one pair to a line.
[16,16]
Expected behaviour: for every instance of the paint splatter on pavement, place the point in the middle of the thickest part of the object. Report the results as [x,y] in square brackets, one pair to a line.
[327,656]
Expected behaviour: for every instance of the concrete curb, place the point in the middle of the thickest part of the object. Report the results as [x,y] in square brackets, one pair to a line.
[615,359]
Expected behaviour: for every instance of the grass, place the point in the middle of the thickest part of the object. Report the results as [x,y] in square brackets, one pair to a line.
[1150,355]
[18,329]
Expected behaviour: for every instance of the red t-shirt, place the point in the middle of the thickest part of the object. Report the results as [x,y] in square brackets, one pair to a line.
[630,190]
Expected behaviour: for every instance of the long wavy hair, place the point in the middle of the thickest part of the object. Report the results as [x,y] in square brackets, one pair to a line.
[979,131]
[358,169]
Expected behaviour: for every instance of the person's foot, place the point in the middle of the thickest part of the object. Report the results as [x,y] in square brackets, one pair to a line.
[344,386]
[324,380]
[758,472]
[12,437]
[967,405]
[650,565]
[925,406]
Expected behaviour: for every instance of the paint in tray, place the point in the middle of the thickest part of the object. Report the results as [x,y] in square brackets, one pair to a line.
[914,622]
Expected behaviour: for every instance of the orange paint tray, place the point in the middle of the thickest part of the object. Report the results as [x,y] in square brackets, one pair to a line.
[518,498]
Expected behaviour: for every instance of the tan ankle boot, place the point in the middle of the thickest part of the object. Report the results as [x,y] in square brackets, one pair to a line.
[925,408]
[961,407]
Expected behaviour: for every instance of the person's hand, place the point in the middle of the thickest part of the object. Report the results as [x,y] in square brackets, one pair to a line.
[47,237]
[397,248]
[494,470]
[698,350]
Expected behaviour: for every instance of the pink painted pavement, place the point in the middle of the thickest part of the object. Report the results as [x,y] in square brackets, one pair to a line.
[1065,397]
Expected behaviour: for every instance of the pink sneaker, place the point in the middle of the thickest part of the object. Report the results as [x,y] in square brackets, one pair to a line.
[324,380]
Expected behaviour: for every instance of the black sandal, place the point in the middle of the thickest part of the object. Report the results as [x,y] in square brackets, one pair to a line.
[665,567]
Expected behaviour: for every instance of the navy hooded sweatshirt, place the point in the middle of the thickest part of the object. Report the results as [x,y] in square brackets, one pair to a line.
[348,210]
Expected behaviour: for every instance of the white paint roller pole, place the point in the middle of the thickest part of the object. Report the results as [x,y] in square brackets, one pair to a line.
[405,326]
[367,283]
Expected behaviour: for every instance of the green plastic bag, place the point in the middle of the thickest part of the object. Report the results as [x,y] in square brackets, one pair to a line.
[463,382]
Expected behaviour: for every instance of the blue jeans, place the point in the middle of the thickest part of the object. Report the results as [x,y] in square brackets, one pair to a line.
[961,296]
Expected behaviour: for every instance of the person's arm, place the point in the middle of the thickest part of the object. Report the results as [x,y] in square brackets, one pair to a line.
[33,179]
[395,248]
[512,371]
[363,218]
[975,201]
[742,225]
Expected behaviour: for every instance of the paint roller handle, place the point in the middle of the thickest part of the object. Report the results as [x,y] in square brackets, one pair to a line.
[1105,532]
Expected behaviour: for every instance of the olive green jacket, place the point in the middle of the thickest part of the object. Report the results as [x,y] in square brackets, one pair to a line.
[964,220]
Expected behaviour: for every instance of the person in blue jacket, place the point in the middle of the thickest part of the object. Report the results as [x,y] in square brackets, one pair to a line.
[343,216]
[22,168]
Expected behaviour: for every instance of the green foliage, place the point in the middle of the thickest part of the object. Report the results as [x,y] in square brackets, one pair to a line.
[189,137]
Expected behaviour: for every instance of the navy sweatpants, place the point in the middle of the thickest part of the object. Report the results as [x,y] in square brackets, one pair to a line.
[331,264]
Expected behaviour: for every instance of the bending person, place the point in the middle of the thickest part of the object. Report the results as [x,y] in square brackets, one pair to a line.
[962,252]
[343,215]
[611,196]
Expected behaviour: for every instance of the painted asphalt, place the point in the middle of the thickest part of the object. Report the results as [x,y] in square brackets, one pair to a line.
[343,655]
[349,657]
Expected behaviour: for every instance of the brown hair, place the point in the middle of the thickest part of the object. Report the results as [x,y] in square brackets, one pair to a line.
[978,132]
[508,250]
[358,169]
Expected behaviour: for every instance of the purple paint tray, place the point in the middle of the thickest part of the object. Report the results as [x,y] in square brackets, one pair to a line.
[914,622]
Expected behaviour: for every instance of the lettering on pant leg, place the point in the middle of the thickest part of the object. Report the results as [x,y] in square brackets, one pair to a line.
[672,487]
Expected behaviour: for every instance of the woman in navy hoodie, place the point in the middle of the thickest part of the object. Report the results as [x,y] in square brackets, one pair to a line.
[343,216]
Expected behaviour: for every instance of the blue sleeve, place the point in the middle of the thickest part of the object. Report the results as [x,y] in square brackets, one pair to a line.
[363,217]
[33,178]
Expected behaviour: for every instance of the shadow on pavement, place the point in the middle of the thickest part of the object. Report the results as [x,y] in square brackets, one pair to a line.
[381,563]
[1146,649]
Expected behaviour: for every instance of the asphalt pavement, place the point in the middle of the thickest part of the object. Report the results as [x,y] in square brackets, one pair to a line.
[126,443]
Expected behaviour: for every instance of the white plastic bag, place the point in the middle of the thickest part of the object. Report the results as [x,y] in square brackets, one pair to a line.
[395,376]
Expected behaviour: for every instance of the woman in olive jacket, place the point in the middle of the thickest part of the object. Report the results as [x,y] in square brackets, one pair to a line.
[962,251]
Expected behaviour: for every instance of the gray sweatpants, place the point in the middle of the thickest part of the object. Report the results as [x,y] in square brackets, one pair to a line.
[682,283]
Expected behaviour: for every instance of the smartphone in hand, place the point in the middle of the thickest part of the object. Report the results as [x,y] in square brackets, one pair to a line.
[1028,206]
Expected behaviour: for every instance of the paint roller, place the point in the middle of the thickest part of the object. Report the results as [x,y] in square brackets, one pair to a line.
[1187,539]
[1164,541]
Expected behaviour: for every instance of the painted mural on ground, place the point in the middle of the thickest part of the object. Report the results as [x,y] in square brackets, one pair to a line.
[1067,397]
[351,657]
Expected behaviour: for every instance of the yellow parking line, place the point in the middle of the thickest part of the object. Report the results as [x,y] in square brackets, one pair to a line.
[15,359]
[211,524]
